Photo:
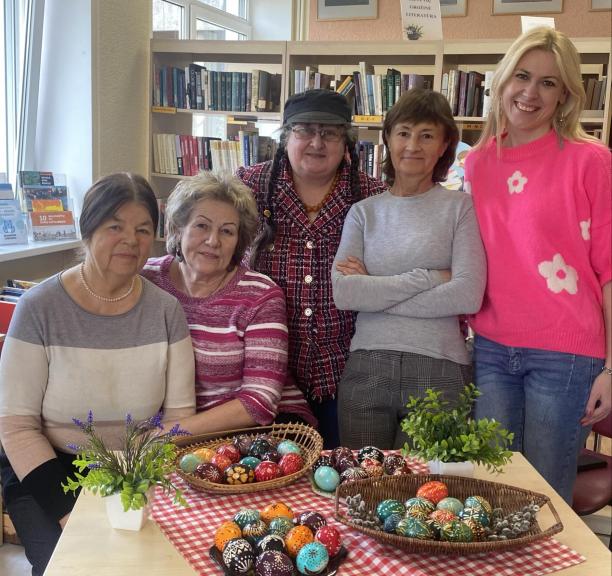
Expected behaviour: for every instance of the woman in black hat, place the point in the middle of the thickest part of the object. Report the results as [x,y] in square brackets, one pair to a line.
[303,196]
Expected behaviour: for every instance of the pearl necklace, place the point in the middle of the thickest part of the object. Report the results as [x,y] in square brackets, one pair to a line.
[104,298]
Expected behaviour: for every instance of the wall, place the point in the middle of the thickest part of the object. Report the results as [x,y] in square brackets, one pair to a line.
[271,19]
[120,83]
[63,129]
[576,20]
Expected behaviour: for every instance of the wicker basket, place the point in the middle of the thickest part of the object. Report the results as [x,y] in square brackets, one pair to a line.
[306,437]
[508,498]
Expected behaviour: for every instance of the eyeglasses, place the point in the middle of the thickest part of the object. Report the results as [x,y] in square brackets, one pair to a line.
[305,132]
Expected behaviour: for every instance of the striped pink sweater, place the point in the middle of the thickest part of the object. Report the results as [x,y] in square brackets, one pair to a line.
[240,342]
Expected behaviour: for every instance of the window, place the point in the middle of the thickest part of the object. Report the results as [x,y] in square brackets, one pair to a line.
[209,31]
[235,7]
[3,110]
[169,18]
[219,20]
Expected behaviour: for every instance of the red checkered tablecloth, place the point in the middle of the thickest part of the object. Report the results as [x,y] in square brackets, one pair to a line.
[191,530]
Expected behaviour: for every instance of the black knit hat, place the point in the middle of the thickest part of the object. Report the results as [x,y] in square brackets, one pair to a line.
[317,107]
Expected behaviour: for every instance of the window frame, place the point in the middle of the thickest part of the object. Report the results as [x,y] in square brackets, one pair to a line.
[200,11]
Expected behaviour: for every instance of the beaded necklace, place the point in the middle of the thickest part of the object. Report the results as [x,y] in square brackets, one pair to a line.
[103,298]
[314,208]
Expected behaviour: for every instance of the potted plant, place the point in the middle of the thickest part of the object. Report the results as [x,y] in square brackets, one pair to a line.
[126,478]
[414,31]
[440,435]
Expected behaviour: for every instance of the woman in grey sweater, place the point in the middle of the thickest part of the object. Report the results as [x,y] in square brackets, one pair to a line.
[410,262]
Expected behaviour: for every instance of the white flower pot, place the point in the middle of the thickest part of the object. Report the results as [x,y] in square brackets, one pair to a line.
[122,520]
[451,468]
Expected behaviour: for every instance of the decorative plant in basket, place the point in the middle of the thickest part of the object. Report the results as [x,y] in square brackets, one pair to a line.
[438,433]
[146,460]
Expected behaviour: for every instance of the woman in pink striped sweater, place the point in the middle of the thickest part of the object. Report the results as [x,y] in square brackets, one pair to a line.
[236,317]
[542,193]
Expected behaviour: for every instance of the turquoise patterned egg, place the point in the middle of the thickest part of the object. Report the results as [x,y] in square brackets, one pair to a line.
[414,528]
[250,461]
[478,502]
[477,514]
[419,507]
[189,462]
[254,531]
[246,516]
[238,555]
[451,504]
[312,558]
[456,531]
[388,507]
[287,446]
[391,523]
[280,526]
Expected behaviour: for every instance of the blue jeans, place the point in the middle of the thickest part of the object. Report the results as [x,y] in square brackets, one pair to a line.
[540,396]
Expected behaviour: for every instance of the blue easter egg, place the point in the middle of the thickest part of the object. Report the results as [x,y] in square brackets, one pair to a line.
[326,478]
[287,446]
[451,504]
[246,516]
[251,461]
[388,507]
[280,526]
[391,523]
[189,462]
[312,558]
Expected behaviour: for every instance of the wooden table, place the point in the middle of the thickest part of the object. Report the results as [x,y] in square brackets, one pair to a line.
[89,545]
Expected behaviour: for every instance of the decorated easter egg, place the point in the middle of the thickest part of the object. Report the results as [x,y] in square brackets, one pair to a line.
[374,468]
[414,528]
[275,510]
[440,517]
[388,507]
[246,516]
[330,538]
[250,461]
[259,447]
[280,526]
[326,478]
[370,452]
[434,491]
[273,563]
[456,531]
[239,474]
[269,439]
[478,502]
[230,451]
[321,461]
[221,461]
[243,443]
[403,470]
[288,446]
[272,455]
[290,463]
[345,464]
[479,532]
[226,532]
[450,503]
[296,538]
[271,542]
[391,522]
[204,454]
[189,462]
[255,531]
[339,453]
[392,462]
[238,555]
[354,473]
[313,520]
[419,507]
[312,558]
[267,470]
[477,514]
[208,471]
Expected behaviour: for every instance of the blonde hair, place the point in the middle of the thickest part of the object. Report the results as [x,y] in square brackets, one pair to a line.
[566,121]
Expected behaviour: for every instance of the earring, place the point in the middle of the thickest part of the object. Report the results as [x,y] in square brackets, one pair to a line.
[179,255]
[561,119]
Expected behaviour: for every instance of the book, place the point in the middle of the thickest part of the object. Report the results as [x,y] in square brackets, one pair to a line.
[486,95]
[47,205]
[52,226]
[13,228]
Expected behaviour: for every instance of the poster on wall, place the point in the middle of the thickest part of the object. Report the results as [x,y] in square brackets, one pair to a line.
[421,20]
[346,9]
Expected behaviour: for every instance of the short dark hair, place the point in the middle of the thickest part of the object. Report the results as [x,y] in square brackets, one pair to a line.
[218,186]
[414,107]
[110,193]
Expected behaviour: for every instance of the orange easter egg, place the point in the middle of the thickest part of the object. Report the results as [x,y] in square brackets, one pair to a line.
[297,538]
[275,510]
[226,532]
[204,454]
[433,491]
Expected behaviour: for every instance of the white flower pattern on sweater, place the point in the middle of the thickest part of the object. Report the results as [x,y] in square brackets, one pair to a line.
[585,229]
[559,275]
[516,182]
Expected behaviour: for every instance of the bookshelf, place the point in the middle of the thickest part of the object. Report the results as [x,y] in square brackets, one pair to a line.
[431,60]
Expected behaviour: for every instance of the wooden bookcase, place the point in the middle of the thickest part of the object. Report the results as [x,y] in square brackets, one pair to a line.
[430,59]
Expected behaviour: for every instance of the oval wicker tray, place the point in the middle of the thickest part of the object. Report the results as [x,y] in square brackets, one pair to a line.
[306,437]
[509,498]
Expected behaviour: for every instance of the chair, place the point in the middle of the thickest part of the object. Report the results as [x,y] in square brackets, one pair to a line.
[593,488]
